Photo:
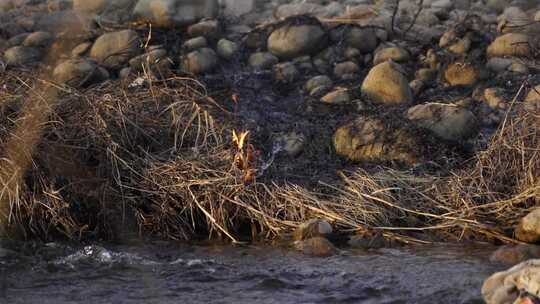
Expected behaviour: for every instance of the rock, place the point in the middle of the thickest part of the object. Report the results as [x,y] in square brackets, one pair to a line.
[292,143]
[312,228]
[346,70]
[114,49]
[59,5]
[427,75]
[292,40]
[363,39]
[353,54]
[462,46]
[504,287]
[318,84]
[316,247]
[207,28]
[195,43]
[289,10]
[518,68]
[262,60]
[66,24]
[395,54]
[90,7]
[369,139]
[199,61]
[494,98]
[286,72]
[124,73]
[497,5]
[173,13]
[81,49]
[528,229]
[38,39]
[498,64]
[21,55]
[448,122]
[532,100]
[148,59]
[515,254]
[386,84]
[461,74]
[339,96]
[79,73]
[511,44]
[417,86]
[226,49]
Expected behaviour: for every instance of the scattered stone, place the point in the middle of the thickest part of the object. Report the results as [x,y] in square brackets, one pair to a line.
[312,228]
[195,43]
[81,49]
[297,9]
[338,96]
[532,101]
[79,73]
[518,68]
[448,122]
[515,254]
[199,61]
[386,84]
[148,59]
[207,28]
[363,39]
[292,143]
[262,60]
[124,73]
[90,7]
[498,64]
[38,39]
[461,74]
[316,247]
[59,5]
[528,229]
[494,98]
[395,54]
[369,139]
[511,44]
[462,46]
[318,84]
[346,70]
[417,86]
[286,72]
[292,40]
[427,75]
[114,49]
[17,39]
[226,49]
[505,287]
[21,55]
[173,13]
[353,54]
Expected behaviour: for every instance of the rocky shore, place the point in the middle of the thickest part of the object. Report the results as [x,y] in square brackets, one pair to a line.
[358,122]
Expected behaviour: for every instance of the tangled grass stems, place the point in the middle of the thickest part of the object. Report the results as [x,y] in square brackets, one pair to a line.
[167,155]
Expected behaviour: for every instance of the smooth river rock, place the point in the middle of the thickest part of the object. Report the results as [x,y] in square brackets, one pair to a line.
[114,49]
[172,13]
[386,84]
[292,40]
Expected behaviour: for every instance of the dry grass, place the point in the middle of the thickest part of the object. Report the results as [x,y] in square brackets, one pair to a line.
[167,155]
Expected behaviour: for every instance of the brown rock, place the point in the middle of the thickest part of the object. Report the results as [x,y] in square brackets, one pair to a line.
[461,74]
[395,54]
[200,61]
[79,73]
[386,84]
[528,229]
[116,48]
[312,228]
[316,247]
[515,254]
[532,101]
[511,44]
[291,40]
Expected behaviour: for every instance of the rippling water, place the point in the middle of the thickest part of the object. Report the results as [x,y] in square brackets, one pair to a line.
[172,273]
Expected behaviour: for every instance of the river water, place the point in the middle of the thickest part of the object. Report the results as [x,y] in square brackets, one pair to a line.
[176,273]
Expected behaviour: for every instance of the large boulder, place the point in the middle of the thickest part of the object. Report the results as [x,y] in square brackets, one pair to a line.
[511,44]
[369,139]
[114,49]
[449,122]
[79,73]
[505,287]
[528,229]
[386,84]
[294,40]
[172,13]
